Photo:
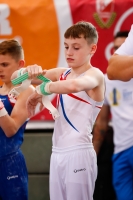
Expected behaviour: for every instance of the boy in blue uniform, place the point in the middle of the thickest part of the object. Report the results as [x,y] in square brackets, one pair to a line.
[13,119]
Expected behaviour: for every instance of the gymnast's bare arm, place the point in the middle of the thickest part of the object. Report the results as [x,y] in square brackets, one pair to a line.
[92,82]
[120,67]
[101,127]
[11,123]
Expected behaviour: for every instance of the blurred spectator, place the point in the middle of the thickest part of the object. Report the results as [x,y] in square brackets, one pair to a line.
[118,102]
[122,61]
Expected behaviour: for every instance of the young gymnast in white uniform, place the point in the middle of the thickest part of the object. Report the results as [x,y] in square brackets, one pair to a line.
[80,89]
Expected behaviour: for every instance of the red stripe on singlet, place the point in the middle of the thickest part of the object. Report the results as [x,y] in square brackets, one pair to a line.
[72,95]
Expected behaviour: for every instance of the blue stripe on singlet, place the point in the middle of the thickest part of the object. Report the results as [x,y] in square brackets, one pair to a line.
[64,113]
[67,72]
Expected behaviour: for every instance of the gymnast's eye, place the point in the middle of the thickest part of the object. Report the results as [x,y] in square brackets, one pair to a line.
[66,47]
[4,64]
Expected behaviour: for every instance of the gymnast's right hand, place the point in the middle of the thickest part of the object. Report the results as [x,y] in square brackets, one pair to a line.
[34,71]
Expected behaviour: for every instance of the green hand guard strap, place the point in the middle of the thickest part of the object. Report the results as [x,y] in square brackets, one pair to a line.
[25,76]
[43,78]
[20,79]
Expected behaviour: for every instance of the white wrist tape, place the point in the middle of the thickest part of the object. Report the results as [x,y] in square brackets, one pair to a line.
[20,72]
[47,88]
[47,103]
[3,112]
[38,90]
[17,90]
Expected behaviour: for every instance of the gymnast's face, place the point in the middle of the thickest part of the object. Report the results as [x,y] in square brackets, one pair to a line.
[77,51]
[7,66]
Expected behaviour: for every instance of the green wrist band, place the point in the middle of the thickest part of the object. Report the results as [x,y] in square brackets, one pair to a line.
[42,88]
[20,79]
[43,78]
[25,76]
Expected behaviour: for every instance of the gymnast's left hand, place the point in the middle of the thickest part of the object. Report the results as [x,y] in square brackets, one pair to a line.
[32,102]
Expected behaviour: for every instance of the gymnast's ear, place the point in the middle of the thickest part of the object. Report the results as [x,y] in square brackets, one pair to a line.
[93,49]
[21,64]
